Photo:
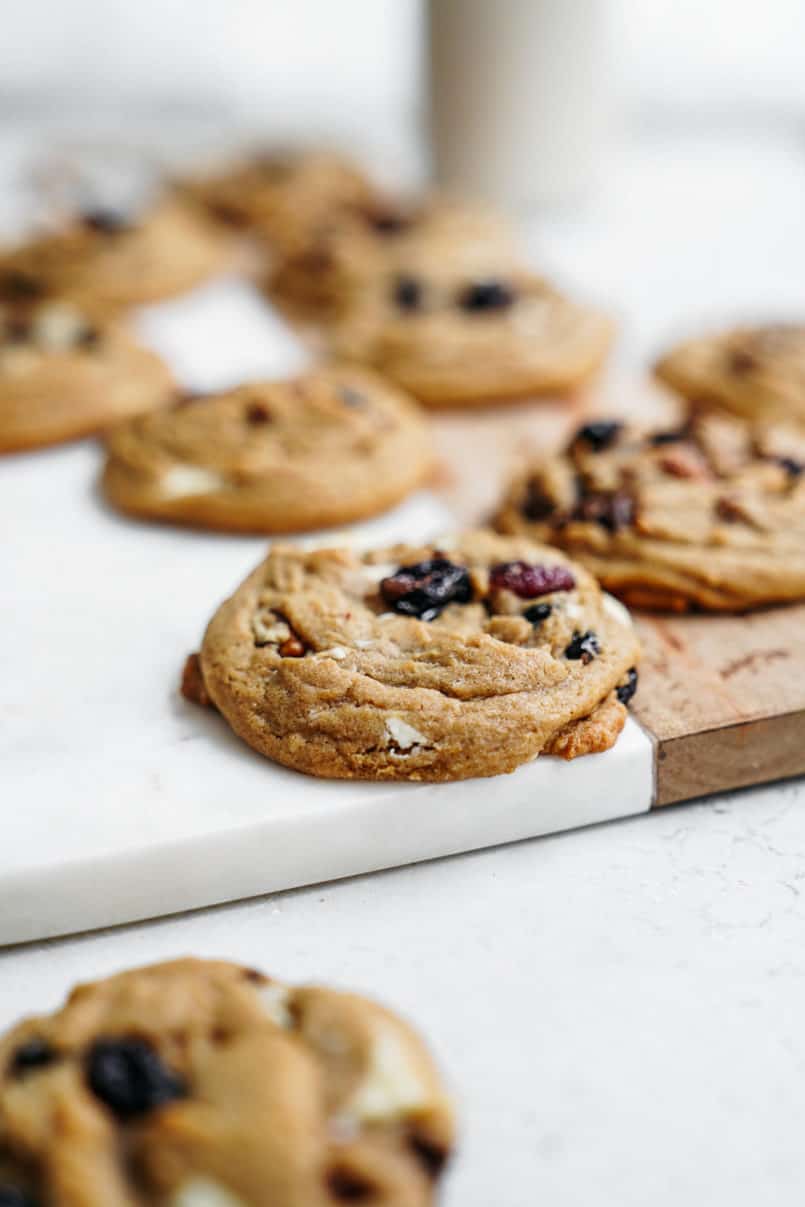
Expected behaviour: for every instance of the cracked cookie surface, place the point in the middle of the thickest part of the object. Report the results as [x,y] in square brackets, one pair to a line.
[205,1084]
[754,372]
[438,662]
[707,516]
[452,338]
[335,445]
[65,374]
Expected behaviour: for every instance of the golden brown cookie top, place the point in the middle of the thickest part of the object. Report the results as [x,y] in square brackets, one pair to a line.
[424,662]
[452,336]
[195,1083]
[757,372]
[286,451]
[716,482]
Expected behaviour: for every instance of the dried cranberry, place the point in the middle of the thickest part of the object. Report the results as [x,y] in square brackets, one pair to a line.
[626,690]
[536,505]
[528,581]
[425,588]
[599,435]
[129,1077]
[408,293]
[537,613]
[33,1054]
[12,1196]
[486,295]
[432,1156]
[584,647]
[106,222]
[613,509]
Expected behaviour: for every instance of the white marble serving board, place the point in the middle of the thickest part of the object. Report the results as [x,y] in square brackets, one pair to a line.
[120,800]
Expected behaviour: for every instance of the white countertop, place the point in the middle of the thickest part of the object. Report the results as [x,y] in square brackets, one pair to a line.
[618,1008]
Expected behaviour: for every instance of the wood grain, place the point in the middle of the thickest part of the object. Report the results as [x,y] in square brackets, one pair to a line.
[723,697]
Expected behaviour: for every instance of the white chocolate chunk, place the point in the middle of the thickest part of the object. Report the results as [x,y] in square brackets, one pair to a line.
[404,735]
[275,999]
[337,652]
[268,629]
[182,480]
[203,1192]
[374,573]
[615,609]
[392,1087]
[57,327]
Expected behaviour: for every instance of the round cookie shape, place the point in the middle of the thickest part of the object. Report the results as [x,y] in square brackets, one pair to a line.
[282,196]
[388,239]
[333,446]
[710,515]
[754,372]
[453,338]
[439,662]
[64,374]
[199,1083]
[111,260]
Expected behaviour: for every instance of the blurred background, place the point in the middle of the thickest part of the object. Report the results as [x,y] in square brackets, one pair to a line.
[690,208]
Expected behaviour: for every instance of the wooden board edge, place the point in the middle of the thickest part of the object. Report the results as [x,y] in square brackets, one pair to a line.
[733,756]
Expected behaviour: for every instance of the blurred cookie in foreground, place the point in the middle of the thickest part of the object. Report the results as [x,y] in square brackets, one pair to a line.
[464,657]
[110,258]
[756,372]
[327,448]
[65,374]
[200,1083]
[455,339]
[281,196]
[707,516]
[382,237]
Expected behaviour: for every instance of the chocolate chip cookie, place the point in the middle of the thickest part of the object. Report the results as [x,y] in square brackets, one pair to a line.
[205,1084]
[710,515]
[755,372]
[65,373]
[384,238]
[110,259]
[282,196]
[333,446]
[453,338]
[435,662]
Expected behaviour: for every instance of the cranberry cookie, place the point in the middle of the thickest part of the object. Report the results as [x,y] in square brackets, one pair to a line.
[110,259]
[755,372]
[333,446]
[204,1084]
[454,339]
[356,244]
[435,662]
[64,374]
[707,516]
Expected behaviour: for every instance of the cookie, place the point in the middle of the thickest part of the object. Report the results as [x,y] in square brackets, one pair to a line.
[355,244]
[282,196]
[707,516]
[754,372]
[110,259]
[453,339]
[435,662]
[333,446]
[204,1084]
[64,374]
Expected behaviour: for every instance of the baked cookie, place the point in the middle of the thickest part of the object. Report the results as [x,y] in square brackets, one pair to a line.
[333,446]
[437,662]
[355,244]
[64,374]
[110,259]
[282,196]
[199,1083]
[454,339]
[708,516]
[755,372]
